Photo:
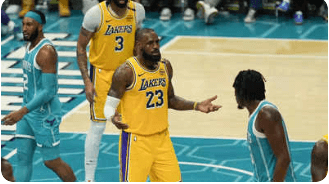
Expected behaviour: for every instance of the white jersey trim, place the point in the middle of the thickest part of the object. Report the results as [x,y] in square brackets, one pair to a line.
[93,18]
[257,133]
[254,130]
[24,136]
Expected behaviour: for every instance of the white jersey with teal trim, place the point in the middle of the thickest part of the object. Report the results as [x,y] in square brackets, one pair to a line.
[262,156]
[32,83]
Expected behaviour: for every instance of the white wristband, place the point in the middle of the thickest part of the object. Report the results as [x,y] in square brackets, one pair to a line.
[110,105]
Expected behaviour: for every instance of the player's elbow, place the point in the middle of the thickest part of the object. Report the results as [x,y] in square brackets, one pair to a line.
[284,159]
[81,48]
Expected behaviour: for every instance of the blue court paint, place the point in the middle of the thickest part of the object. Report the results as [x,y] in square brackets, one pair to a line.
[201,159]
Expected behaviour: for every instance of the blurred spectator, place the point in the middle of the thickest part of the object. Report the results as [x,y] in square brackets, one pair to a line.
[207,10]
[63,6]
[14,7]
[323,11]
[254,6]
[300,6]
[189,13]
[7,26]
[7,170]
[27,5]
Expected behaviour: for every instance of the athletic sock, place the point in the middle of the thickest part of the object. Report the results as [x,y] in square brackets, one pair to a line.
[92,143]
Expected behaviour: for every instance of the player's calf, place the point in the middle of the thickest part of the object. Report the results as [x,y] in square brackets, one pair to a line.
[62,169]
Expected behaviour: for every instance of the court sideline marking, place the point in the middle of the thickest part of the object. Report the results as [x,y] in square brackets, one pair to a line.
[218,166]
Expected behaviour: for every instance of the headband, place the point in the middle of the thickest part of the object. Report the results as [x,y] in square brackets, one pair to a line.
[34,16]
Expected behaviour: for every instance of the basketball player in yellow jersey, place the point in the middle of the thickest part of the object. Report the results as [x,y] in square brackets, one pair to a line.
[143,86]
[110,27]
[319,160]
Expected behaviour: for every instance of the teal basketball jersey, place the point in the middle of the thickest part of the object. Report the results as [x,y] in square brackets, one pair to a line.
[32,83]
[262,156]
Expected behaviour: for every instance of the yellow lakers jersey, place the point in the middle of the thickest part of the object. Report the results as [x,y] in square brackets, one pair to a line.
[144,106]
[114,40]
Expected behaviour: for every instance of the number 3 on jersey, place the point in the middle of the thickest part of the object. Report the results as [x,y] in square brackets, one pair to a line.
[150,95]
[119,47]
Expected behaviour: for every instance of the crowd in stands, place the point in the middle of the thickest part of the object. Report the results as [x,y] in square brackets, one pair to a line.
[206,10]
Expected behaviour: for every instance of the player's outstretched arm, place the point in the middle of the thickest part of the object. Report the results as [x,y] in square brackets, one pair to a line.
[206,106]
[178,103]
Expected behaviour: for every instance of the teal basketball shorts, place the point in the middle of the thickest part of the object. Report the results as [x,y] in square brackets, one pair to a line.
[44,131]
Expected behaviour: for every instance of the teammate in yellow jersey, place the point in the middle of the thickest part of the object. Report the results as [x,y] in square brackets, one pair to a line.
[143,86]
[110,27]
[319,159]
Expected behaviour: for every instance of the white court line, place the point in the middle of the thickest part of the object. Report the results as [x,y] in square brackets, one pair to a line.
[269,31]
[248,38]
[244,55]
[54,25]
[172,41]
[7,40]
[218,166]
[9,155]
[172,27]
[309,31]
[68,114]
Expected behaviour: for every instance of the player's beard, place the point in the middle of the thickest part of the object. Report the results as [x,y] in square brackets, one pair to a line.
[120,5]
[33,36]
[153,58]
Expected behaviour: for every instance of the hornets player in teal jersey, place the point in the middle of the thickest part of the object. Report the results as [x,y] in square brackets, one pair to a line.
[39,118]
[267,135]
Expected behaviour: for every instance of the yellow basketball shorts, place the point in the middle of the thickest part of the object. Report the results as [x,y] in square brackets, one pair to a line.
[141,156]
[102,80]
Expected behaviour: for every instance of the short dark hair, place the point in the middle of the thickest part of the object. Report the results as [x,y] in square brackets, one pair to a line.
[42,15]
[249,85]
[140,32]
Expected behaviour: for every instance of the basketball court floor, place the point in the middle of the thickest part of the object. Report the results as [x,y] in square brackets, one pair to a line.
[205,59]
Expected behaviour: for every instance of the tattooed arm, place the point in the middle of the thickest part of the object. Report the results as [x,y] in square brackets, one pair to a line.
[83,40]
[179,103]
[122,78]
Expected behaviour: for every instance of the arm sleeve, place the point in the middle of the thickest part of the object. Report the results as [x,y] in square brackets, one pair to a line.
[92,19]
[140,14]
[110,105]
[49,90]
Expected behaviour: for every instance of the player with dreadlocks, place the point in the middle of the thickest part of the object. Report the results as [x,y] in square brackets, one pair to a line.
[267,135]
